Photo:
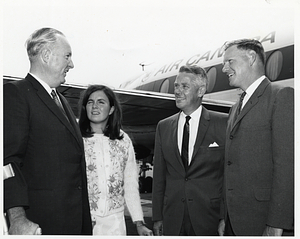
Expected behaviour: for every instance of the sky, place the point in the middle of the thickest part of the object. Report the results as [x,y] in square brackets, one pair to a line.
[110,39]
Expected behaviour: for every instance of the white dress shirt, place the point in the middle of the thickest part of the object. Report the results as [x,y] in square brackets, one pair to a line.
[46,86]
[250,90]
[194,124]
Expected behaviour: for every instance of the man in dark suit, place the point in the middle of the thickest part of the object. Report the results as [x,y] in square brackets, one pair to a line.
[43,147]
[259,151]
[188,164]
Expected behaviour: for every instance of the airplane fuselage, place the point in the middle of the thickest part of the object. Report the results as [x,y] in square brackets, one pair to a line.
[279,67]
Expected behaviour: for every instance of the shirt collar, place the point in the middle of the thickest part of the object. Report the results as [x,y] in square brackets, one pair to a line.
[43,83]
[195,115]
[250,90]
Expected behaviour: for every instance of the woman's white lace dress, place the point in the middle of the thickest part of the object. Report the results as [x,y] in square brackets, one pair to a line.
[112,177]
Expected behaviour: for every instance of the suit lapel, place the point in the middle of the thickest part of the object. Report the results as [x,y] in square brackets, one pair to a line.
[72,119]
[46,98]
[232,113]
[174,128]
[202,129]
[250,103]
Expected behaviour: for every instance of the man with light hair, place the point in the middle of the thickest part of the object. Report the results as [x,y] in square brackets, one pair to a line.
[259,152]
[188,162]
[45,191]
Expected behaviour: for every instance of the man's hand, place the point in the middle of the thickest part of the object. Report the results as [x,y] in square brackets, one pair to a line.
[272,231]
[221,227]
[158,228]
[20,225]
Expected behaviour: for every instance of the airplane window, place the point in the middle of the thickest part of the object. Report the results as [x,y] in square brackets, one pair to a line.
[274,65]
[164,88]
[212,76]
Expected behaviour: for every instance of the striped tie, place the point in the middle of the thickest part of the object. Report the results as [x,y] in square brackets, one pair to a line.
[58,103]
[238,110]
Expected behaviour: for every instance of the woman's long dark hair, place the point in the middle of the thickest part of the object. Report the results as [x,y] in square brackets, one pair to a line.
[113,126]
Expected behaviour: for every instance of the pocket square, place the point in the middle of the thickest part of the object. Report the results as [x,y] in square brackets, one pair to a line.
[213,145]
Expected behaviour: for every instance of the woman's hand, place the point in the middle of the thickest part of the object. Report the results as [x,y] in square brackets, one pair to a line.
[142,229]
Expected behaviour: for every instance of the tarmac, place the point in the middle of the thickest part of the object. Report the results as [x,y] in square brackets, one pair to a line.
[146,202]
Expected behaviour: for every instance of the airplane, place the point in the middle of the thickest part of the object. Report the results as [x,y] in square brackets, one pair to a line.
[279,49]
[149,98]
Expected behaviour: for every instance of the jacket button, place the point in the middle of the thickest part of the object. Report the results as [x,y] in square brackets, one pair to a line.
[229,163]
[231,137]
[182,199]
[79,187]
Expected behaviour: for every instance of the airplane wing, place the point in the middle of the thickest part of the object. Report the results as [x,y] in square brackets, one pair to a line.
[142,110]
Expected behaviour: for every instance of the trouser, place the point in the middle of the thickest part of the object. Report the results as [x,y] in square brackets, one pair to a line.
[228,228]
[187,227]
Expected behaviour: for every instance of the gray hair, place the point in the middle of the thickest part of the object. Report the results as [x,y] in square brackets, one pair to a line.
[199,72]
[39,39]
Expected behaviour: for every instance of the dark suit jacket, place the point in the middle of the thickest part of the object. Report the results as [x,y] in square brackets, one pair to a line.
[200,186]
[259,162]
[46,151]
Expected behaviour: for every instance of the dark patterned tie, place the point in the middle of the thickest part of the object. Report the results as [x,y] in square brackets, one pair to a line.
[238,110]
[185,143]
[58,103]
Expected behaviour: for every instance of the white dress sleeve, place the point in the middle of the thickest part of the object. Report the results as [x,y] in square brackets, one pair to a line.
[131,186]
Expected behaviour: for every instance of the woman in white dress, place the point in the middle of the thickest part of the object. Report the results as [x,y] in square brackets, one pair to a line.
[112,174]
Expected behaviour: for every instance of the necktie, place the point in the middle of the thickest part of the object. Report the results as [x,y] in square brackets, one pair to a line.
[238,110]
[57,102]
[185,143]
